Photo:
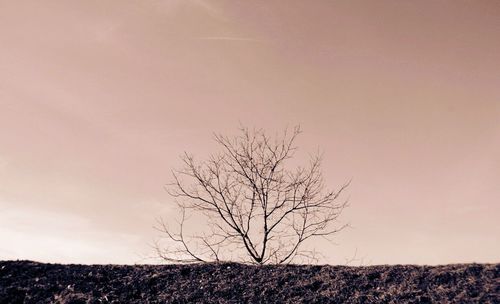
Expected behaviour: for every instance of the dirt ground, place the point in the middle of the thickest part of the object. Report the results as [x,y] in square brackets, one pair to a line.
[31,282]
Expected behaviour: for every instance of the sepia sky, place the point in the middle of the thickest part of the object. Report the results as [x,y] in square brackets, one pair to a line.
[99,98]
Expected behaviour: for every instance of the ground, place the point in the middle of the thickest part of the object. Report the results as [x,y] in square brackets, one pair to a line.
[31,282]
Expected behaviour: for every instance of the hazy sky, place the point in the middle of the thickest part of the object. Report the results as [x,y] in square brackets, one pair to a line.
[99,98]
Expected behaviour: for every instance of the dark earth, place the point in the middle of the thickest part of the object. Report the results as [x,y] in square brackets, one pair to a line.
[32,282]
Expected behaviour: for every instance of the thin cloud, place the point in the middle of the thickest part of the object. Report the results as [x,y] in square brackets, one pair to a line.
[210,9]
[3,162]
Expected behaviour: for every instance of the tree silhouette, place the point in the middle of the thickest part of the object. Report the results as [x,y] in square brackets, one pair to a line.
[256,209]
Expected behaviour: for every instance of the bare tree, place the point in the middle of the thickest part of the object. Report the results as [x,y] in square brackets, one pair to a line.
[256,209]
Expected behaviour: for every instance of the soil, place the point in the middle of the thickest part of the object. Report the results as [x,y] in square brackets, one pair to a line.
[32,282]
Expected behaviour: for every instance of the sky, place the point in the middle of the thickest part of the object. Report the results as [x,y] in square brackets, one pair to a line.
[99,98]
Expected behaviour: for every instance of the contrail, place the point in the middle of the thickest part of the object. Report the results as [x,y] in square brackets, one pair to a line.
[228,38]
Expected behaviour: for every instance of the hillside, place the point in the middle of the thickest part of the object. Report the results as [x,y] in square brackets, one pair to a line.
[31,282]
